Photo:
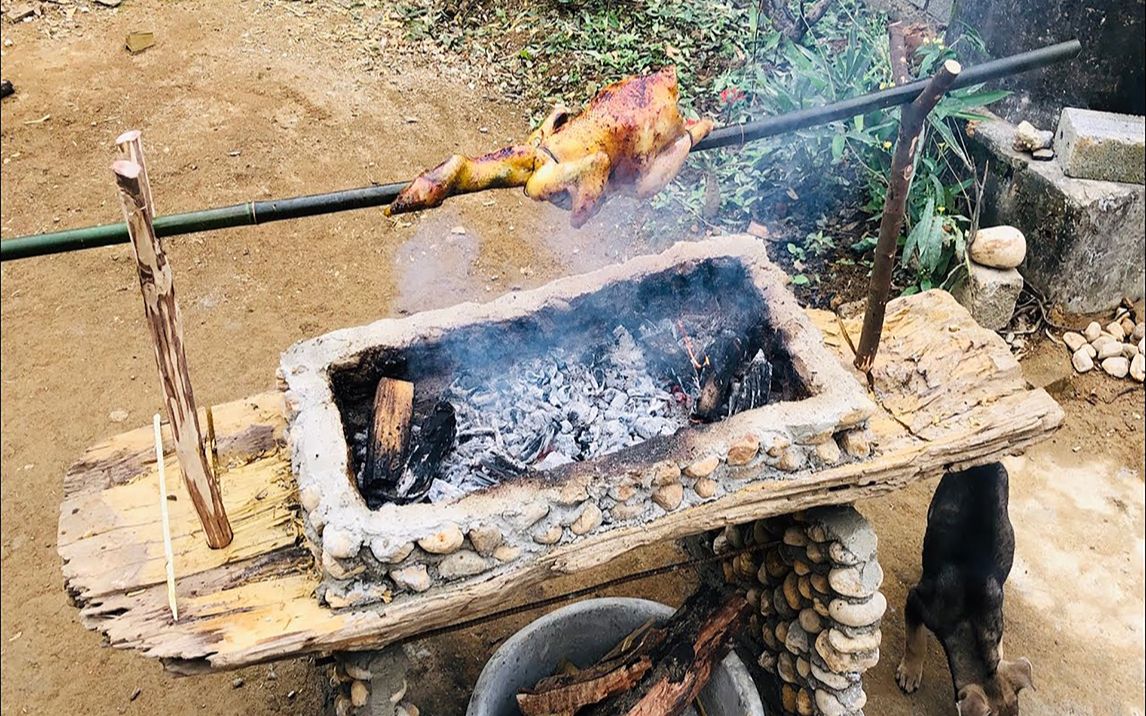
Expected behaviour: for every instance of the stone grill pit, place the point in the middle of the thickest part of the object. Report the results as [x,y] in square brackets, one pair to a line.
[577,407]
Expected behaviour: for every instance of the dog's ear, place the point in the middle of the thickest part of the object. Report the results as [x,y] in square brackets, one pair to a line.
[1017,673]
[973,701]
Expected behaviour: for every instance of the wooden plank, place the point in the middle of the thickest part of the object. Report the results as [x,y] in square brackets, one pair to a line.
[952,394]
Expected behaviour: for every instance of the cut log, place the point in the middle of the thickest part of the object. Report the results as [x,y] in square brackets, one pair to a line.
[435,439]
[163,318]
[388,439]
[698,637]
[721,362]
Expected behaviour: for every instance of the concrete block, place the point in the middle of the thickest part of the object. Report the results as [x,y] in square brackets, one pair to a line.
[990,294]
[1102,145]
[1085,239]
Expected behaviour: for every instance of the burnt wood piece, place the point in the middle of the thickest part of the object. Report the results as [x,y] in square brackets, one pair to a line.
[720,363]
[156,282]
[564,695]
[697,637]
[435,439]
[754,389]
[6,88]
[388,436]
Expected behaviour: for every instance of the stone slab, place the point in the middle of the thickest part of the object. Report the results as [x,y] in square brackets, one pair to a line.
[1102,145]
[1085,239]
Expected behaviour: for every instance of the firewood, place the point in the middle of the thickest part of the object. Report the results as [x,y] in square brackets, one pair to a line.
[435,439]
[722,359]
[698,637]
[388,436]
[755,388]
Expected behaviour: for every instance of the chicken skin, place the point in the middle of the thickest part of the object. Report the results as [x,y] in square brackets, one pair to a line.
[631,138]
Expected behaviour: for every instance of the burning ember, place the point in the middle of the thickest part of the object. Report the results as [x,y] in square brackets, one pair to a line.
[574,405]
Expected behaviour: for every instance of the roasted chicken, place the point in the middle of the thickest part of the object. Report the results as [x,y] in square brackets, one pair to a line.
[631,138]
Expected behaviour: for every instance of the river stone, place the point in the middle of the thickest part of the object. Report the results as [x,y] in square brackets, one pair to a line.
[390,551]
[796,640]
[1029,138]
[1073,340]
[1139,331]
[340,543]
[1107,347]
[791,459]
[1138,368]
[843,663]
[828,452]
[1092,331]
[767,661]
[854,644]
[803,667]
[857,582]
[1116,366]
[1115,329]
[810,621]
[462,564]
[506,553]
[1082,360]
[485,539]
[623,512]
[1001,247]
[666,473]
[858,614]
[830,679]
[839,704]
[703,468]
[856,443]
[848,529]
[816,553]
[804,705]
[704,488]
[669,497]
[415,578]
[795,537]
[588,520]
[552,535]
[820,583]
[743,450]
[444,541]
[792,591]
[527,515]
[801,567]
[623,492]
[780,603]
[786,667]
[1129,351]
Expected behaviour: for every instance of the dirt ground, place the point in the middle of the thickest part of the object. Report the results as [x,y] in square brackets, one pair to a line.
[249,100]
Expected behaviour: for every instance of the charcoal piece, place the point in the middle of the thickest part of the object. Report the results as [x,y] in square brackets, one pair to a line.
[6,88]
[721,362]
[435,439]
[502,466]
[754,389]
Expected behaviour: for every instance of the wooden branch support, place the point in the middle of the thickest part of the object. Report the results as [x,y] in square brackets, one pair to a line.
[897,48]
[911,122]
[164,518]
[163,318]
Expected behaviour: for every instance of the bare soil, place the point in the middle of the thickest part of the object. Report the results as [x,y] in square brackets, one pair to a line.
[256,99]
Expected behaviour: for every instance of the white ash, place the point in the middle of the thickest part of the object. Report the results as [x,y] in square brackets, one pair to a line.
[555,409]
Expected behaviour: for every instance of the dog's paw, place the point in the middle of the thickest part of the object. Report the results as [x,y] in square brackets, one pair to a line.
[908,676]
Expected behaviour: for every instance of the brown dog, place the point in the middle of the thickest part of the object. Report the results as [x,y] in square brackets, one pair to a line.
[967,554]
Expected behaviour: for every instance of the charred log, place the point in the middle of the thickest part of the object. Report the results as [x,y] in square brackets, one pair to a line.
[388,437]
[722,361]
[754,389]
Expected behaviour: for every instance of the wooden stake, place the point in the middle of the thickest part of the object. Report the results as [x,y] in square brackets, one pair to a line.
[911,121]
[163,318]
[897,47]
[163,517]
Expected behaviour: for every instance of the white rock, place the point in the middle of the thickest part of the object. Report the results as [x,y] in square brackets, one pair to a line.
[1090,350]
[588,520]
[1082,361]
[1107,347]
[1117,366]
[859,614]
[1092,332]
[1073,340]
[1115,329]
[1139,331]
[445,541]
[390,551]
[830,679]
[857,582]
[1029,138]
[1001,247]
[462,564]
[485,539]
[412,579]
[341,543]
[1129,351]
[854,644]
[1138,368]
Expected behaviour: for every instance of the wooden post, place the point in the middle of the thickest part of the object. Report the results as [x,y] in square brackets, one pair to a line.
[911,120]
[897,48]
[162,312]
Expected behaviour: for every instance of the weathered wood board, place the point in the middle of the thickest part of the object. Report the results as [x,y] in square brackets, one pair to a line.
[950,394]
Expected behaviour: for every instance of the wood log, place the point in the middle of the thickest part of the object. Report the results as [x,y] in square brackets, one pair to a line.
[907,142]
[388,439]
[754,388]
[722,360]
[163,318]
[897,48]
[698,638]
[436,436]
